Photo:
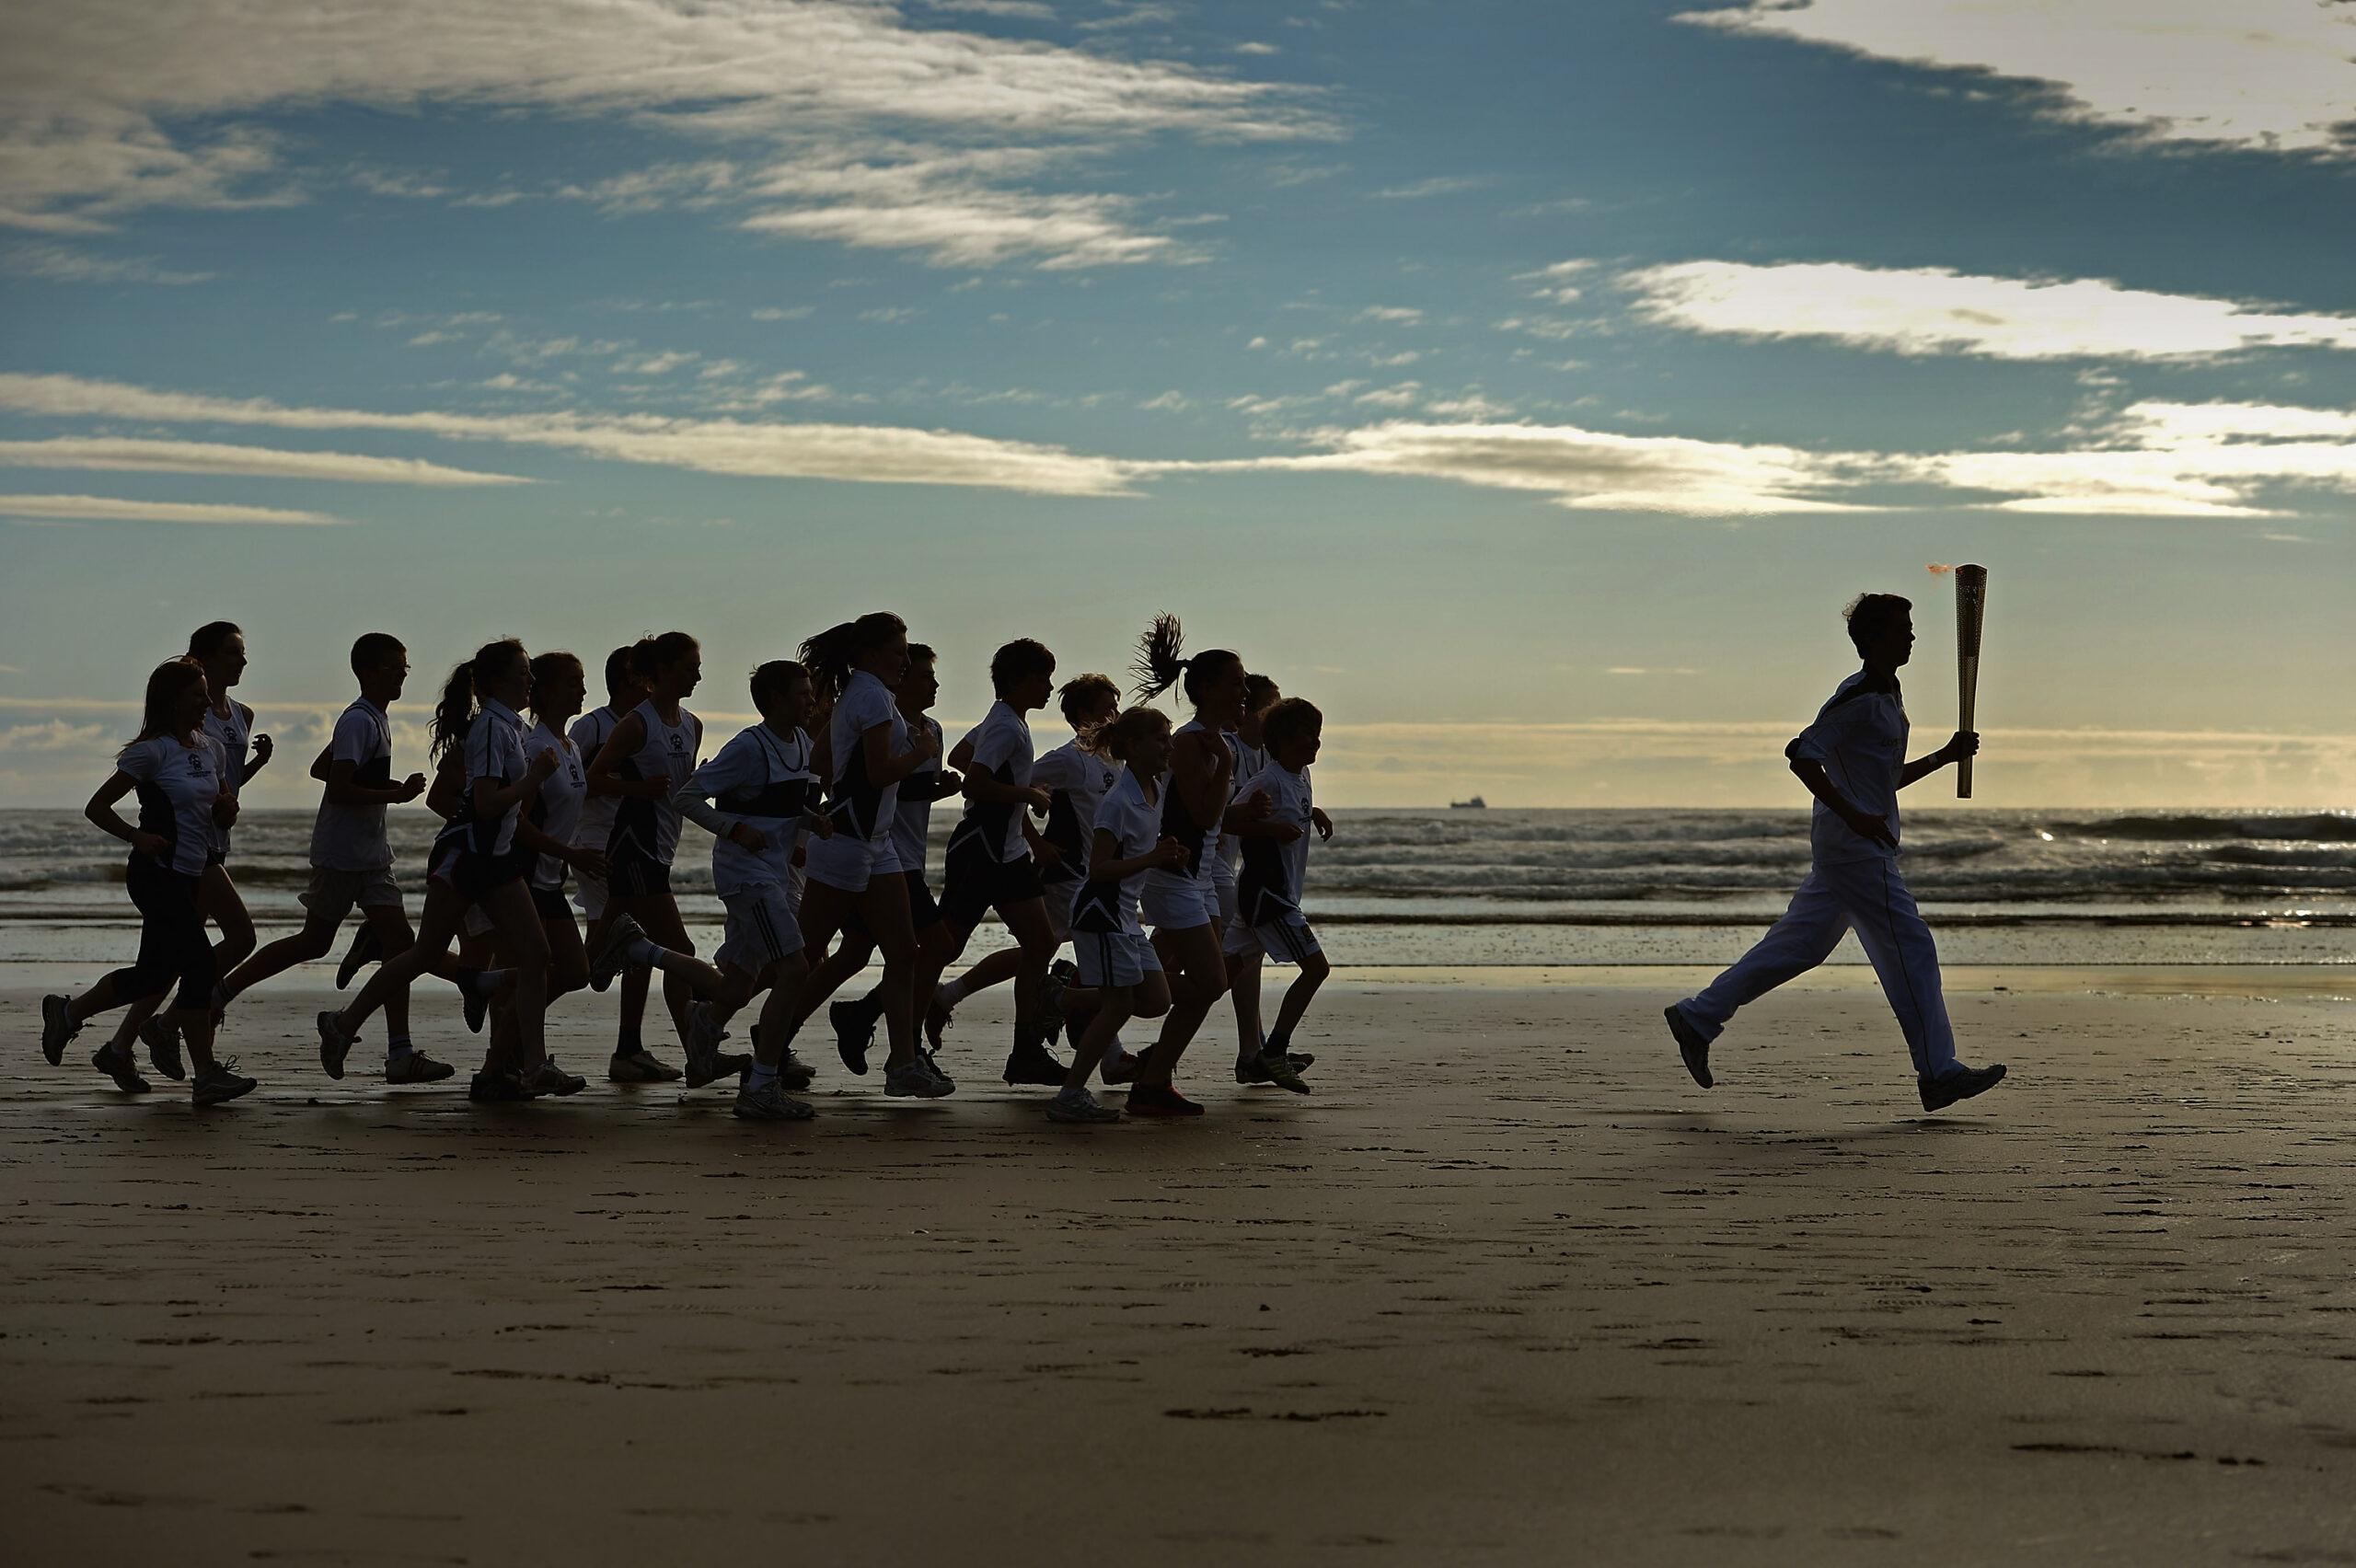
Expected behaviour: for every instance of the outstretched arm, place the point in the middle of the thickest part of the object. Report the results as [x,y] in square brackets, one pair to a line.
[1965,742]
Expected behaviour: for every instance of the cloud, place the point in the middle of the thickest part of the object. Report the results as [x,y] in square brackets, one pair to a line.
[1437,185]
[1405,315]
[864,453]
[662,363]
[112,113]
[64,264]
[2265,75]
[1020,10]
[51,735]
[1933,310]
[100,509]
[1651,670]
[124,455]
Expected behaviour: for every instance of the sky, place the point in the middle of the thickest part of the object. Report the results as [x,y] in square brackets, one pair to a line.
[1529,386]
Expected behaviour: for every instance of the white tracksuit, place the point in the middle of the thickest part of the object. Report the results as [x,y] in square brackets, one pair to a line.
[1859,738]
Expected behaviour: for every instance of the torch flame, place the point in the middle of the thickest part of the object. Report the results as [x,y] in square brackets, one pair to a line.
[1941,569]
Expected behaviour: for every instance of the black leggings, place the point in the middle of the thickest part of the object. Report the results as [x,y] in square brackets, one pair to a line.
[172,945]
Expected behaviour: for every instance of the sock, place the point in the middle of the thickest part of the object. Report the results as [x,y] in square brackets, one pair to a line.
[949,993]
[397,1047]
[762,1077]
[644,951]
[487,982]
[1275,1044]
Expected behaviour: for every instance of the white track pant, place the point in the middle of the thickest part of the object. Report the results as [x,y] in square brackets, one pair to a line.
[1870,898]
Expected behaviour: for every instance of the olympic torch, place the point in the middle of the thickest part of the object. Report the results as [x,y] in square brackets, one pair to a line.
[1970,607]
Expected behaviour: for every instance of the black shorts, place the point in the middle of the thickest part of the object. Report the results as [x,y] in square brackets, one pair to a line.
[977,883]
[476,875]
[551,904]
[922,910]
[636,876]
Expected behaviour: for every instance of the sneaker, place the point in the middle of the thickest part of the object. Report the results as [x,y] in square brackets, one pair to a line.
[1124,1067]
[57,1027]
[1696,1051]
[416,1067]
[937,1014]
[1278,1069]
[163,1038]
[500,1087]
[795,1073]
[931,1064]
[705,1064]
[613,954]
[1079,1105]
[118,1066]
[640,1066]
[335,1042]
[475,1005]
[770,1103]
[218,1082]
[854,1031]
[1302,1060]
[1066,973]
[913,1080]
[1032,1064]
[549,1079]
[1145,1101]
[1940,1093]
[1051,994]
[364,951]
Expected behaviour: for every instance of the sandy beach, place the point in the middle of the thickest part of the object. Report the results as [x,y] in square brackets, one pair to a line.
[1506,1289]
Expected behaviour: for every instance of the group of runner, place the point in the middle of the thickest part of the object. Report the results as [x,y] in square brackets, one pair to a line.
[818,852]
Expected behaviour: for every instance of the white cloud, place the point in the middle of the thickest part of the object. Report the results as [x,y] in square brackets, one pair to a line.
[1020,10]
[1651,670]
[662,363]
[125,454]
[1933,310]
[65,264]
[1405,315]
[2272,75]
[1437,185]
[50,735]
[1402,396]
[1171,401]
[1257,48]
[113,112]
[868,454]
[101,509]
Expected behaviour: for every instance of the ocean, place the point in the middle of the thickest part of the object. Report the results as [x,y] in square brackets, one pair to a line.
[1552,888]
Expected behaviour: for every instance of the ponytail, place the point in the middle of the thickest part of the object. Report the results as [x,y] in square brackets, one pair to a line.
[834,653]
[1159,666]
[1118,736]
[455,706]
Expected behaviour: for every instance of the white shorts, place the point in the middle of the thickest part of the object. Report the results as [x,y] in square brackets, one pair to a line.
[1223,882]
[1057,897]
[1289,939]
[333,893]
[588,894]
[1113,958]
[1170,903]
[845,863]
[764,926]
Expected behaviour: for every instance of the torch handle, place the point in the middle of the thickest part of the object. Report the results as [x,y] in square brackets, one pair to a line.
[1966,698]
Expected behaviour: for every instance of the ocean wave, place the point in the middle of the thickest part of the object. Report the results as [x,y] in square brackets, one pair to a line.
[2327,826]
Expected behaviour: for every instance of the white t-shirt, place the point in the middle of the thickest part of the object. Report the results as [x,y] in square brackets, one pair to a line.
[563,794]
[1136,826]
[177,784]
[912,818]
[762,780]
[1273,873]
[1001,750]
[589,735]
[863,808]
[352,838]
[1077,781]
[1860,737]
[495,752]
[232,732]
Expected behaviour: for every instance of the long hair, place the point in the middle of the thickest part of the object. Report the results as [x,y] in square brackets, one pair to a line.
[546,667]
[167,684]
[1160,664]
[653,653]
[834,653]
[1122,733]
[455,706]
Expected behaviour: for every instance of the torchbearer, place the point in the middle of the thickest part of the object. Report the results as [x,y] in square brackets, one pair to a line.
[1853,760]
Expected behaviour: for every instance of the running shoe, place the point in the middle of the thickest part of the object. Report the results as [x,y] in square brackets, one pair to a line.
[163,1038]
[1123,1066]
[1276,1069]
[770,1103]
[795,1073]
[926,1058]
[1051,994]
[498,1087]
[364,951]
[1694,1051]
[475,1005]
[118,1066]
[613,954]
[1248,1070]
[549,1079]
[1079,1105]
[416,1067]
[1940,1093]
[218,1082]
[1032,1064]
[910,1080]
[640,1066]
[1066,975]
[1147,1100]
[854,1033]
[57,1027]
[335,1042]
[937,1014]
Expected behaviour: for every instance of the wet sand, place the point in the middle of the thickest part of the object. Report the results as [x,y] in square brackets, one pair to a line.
[1506,1289]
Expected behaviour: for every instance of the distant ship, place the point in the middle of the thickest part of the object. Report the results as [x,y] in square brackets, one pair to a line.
[1474,804]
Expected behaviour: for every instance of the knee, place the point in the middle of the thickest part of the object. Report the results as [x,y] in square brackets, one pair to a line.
[568,973]
[1314,970]
[1145,1006]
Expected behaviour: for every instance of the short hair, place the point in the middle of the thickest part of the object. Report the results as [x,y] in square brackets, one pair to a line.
[1018,661]
[1080,693]
[1294,719]
[1259,691]
[619,670]
[922,651]
[1869,614]
[374,648]
[656,653]
[208,640]
[772,679]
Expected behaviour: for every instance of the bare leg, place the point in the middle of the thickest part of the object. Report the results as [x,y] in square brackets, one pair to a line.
[1193,954]
[1243,985]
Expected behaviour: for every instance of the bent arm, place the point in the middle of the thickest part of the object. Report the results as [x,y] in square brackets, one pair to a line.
[100,809]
